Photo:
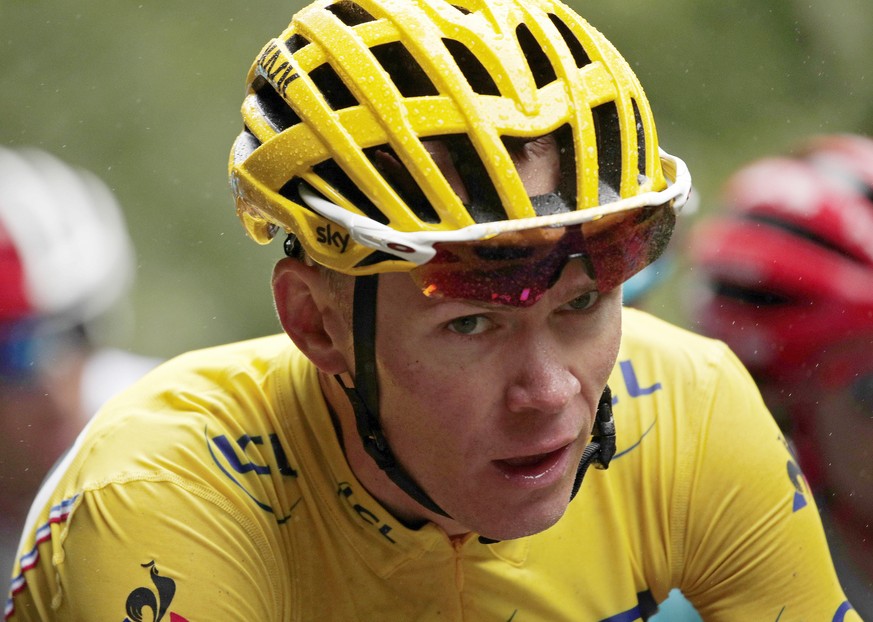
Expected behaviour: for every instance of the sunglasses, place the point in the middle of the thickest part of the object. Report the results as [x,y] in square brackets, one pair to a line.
[514,262]
[517,268]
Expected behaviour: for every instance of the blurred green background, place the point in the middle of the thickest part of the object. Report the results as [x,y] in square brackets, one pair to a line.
[147,96]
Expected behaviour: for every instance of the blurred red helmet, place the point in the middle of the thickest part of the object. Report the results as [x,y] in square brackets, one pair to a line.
[65,252]
[787,266]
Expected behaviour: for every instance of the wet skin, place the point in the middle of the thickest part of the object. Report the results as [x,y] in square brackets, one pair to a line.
[487,406]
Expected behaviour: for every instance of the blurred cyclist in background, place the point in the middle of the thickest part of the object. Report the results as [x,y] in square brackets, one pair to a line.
[784,275]
[66,261]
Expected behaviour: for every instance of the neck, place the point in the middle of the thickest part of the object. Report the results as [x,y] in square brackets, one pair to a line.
[377,483]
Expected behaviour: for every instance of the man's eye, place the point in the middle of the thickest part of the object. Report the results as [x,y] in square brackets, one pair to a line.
[469,325]
[585,301]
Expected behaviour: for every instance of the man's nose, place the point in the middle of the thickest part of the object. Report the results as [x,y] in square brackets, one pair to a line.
[542,381]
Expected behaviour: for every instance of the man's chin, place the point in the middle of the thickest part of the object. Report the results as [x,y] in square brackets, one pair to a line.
[520,524]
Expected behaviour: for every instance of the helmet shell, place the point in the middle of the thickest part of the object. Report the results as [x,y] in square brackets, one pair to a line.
[348,82]
[65,253]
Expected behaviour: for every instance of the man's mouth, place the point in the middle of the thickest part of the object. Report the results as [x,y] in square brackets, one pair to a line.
[535,466]
[527,461]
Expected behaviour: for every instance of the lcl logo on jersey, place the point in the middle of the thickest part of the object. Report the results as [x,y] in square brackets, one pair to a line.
[252,454]
[344,490]
[632,384]
[157,599]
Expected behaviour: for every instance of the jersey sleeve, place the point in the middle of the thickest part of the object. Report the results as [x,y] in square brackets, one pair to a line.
[754,544]
[160,549]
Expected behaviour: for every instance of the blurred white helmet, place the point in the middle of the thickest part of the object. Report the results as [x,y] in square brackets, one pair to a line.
[65,253]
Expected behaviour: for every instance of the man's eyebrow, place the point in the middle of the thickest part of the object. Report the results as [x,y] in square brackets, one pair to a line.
[524,147]
[436,303]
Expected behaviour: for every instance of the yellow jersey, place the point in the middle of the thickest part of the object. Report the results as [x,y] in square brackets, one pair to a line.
[216,489]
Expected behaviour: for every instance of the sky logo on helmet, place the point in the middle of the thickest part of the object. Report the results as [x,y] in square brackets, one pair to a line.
[331,237]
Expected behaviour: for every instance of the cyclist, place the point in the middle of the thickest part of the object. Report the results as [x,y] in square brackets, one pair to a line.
[464,188]
[787,281]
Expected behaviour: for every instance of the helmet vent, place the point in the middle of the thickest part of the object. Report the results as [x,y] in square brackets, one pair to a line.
[567,150]
[291,191]
[350,13]
[539,63]
[398,176]
[641,139]
[579,54]
[608,131]
[295,43]
[275,109]
[405,72]
[334,90]
[477,76]
[484,204]
[336,177]
[245,145]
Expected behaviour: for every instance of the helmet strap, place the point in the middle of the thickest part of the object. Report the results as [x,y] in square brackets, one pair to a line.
[601,449]
[598,452]
[364,395]
[364,399]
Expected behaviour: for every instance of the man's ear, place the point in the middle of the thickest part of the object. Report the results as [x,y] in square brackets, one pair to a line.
[310,315]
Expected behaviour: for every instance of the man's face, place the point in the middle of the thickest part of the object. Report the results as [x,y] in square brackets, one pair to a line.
[489,407]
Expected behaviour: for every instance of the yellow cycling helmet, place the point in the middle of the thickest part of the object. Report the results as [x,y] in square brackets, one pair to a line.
[348,96]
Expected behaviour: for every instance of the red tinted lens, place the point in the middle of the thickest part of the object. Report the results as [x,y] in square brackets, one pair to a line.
[620,245]
[517,267]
